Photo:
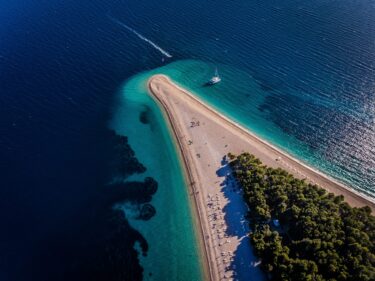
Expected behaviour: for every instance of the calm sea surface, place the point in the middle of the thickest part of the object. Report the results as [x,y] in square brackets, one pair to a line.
[81,202]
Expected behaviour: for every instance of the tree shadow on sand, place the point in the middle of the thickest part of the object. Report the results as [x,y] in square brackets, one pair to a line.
[244,264]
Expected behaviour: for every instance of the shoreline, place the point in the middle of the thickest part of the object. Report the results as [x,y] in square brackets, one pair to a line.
[179,106]
[189,180]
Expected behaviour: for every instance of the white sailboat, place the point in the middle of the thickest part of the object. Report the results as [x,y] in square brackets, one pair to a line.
[215,79]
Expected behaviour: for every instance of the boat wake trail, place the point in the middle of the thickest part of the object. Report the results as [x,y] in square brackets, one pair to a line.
[140,36]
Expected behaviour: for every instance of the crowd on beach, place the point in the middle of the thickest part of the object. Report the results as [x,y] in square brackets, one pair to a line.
[220,237]
[218,227]
[222,243]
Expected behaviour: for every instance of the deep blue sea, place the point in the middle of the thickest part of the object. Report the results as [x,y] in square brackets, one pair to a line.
[83,195]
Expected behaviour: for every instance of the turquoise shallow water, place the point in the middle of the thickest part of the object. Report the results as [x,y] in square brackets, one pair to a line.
[170,233]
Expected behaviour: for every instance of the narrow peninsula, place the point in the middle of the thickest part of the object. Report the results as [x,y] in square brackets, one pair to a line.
[204,138]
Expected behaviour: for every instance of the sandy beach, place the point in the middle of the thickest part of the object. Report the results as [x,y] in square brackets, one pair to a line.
[203,137]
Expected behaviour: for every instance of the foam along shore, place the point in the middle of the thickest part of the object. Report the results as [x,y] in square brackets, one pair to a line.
[203,137]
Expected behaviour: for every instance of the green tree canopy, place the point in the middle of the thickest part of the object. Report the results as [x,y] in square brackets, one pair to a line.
[320,238]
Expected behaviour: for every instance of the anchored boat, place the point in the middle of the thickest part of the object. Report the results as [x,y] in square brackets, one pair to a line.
[215,79]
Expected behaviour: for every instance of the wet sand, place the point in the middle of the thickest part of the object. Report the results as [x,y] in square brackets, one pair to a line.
[203,137]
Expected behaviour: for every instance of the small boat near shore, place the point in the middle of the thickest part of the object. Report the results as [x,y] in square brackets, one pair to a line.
[215,79]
